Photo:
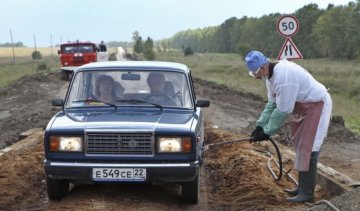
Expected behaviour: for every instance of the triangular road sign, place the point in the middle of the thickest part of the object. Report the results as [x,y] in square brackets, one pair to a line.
[289,50]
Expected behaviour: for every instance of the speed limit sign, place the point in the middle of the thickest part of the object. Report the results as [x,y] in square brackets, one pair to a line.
[288,26]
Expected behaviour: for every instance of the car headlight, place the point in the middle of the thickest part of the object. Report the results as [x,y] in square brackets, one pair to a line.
[174,144]
[66,144]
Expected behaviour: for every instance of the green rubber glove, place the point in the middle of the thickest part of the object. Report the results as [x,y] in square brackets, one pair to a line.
[276,120]
[265,115]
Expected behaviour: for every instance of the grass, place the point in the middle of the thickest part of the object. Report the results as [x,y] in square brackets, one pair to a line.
[24,52]
[341,76]
[10,72]
[227,69]
[24,64]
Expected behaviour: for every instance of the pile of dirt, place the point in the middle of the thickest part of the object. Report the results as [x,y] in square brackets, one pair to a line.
[26,104]
[238,174]
[22,178]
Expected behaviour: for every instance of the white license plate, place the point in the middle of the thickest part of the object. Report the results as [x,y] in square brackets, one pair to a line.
[127,174]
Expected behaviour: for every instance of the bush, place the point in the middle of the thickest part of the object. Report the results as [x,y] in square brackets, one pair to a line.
[36,55]
[149,55]
[42,66]
[158,49]
[188,51]
[112,57]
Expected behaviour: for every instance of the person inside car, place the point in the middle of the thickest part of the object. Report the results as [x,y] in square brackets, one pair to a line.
[107,89]
[156,82]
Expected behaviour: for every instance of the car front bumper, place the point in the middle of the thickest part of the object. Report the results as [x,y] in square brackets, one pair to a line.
[155,172]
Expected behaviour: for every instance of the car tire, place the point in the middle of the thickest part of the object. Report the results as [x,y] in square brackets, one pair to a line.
[189,191]
[57,189]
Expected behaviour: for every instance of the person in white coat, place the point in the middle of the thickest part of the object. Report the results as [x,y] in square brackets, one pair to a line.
[292,89]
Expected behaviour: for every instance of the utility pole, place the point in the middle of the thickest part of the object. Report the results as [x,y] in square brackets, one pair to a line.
[35,44]
[36,53]
[12,44]
[51,45]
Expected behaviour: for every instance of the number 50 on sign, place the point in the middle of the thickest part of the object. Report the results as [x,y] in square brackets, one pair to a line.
[288,26]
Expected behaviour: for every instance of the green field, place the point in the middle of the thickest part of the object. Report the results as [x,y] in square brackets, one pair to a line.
[24,64]
[341,77]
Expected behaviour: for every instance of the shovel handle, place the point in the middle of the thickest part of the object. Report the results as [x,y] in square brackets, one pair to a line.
[226,142]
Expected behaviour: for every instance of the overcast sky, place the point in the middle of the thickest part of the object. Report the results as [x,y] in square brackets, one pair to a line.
[116,20]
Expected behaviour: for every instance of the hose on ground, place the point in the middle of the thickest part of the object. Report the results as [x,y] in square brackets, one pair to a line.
[291,177]
[278,163]
[326,202]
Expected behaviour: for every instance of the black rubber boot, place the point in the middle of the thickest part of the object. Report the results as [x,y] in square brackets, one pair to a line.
[307,181]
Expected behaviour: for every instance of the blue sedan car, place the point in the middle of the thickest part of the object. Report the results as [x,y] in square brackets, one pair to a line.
[127,122]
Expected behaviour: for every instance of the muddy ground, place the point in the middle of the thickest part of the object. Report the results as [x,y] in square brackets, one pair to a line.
[234,177]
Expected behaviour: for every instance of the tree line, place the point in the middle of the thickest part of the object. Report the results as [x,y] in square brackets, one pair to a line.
[16,44]
[146,48]
[332,32]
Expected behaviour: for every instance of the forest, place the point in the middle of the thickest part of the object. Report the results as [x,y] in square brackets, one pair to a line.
[333,32]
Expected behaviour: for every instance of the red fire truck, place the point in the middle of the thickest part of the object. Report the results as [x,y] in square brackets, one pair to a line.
[75,54]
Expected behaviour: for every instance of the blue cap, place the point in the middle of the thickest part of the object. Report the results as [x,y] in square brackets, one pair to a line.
[254,60]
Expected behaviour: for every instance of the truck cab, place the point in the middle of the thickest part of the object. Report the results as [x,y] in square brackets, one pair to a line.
[75,54]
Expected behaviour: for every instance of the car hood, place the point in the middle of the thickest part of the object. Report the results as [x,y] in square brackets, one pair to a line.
[124,120]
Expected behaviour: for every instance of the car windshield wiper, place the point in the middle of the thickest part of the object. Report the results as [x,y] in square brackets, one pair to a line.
[139,101]
[96,101]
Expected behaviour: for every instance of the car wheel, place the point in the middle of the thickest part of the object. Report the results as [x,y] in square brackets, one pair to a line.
[56,189]
[189,191]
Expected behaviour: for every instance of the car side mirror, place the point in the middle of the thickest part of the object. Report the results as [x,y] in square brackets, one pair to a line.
[202,103]
[59,52]
[57,102]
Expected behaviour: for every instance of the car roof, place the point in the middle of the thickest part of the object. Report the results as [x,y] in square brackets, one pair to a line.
[137,65]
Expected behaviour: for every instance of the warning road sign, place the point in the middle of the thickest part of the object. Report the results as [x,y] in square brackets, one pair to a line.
[289,50]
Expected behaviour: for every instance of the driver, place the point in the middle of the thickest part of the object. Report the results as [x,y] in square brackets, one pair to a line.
[156,82]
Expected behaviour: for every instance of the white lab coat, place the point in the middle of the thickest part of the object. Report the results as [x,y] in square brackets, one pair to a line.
[291,83]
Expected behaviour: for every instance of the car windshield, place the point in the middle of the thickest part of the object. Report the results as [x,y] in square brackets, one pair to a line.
[130,88]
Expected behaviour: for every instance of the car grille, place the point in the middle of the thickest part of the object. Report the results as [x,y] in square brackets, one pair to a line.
[120,144]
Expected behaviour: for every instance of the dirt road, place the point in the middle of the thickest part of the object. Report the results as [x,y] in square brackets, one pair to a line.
[232,177]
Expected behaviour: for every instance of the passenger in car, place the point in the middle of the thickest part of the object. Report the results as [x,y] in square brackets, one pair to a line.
[156,82]
[108,90]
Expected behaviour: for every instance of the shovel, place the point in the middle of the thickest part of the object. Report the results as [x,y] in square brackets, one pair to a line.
[226,142]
